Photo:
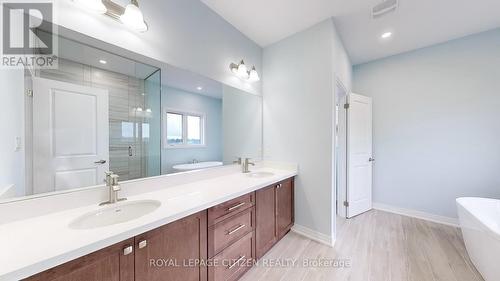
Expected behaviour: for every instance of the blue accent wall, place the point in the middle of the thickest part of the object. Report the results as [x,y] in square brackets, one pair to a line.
[435,123]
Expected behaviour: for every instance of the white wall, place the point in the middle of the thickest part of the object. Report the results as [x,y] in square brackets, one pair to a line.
[184,33]
[299,78]
[12,126]
[436,123]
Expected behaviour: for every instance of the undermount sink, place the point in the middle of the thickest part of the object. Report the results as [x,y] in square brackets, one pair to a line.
[260,174]
[118,213]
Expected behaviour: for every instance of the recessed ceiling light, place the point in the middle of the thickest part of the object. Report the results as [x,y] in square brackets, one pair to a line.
[199,88]
[386,35]
[103,62]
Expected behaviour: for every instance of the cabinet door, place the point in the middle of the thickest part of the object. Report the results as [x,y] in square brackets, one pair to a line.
[284,207]
[173,252]
[265,220]
[114,263]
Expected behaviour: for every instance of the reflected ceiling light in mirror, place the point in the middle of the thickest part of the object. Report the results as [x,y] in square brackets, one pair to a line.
[199,88]
[386,35]
[95,6]
[101,61]
[133,17]
[242,72]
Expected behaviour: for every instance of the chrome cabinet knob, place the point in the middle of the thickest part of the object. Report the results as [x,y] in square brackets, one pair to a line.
[100,162]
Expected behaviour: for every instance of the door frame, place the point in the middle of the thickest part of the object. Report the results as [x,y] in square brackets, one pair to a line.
[340,155]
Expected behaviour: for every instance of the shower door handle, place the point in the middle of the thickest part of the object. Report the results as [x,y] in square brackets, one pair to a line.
[130,153]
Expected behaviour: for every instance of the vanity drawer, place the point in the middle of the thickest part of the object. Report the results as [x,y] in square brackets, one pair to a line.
[235,260]
[225,210]
[229,230]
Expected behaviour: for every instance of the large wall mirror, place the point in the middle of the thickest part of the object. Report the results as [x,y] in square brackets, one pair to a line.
[105,109]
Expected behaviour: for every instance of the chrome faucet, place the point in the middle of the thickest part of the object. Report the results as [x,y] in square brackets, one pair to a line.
[114,187]
[238,161]
[244,166]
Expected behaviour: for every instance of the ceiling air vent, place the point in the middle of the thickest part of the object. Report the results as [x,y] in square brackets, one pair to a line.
[384,8]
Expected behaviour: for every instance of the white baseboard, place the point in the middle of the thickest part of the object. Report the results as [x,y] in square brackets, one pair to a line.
[417,214]
[313,235]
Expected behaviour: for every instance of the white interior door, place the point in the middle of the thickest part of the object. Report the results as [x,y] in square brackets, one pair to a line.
[359,155]
[70,135]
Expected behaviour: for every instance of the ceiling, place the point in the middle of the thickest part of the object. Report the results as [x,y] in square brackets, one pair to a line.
[416,23]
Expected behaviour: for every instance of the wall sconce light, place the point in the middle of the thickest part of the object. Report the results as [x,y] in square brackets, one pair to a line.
[130,15]
[133,17]
[242,72]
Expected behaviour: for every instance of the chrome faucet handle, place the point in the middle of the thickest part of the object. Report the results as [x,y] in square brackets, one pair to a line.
[114,183]
[114,179]
[114,187]
[245,164]
[107,179]
[238,161]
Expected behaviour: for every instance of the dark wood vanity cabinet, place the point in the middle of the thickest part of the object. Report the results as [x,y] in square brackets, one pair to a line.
[166,253]
[218,244]
[173,252]
[274,214]
[114,263]
[284,207]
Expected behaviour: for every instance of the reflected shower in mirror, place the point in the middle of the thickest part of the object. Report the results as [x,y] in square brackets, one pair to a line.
[95,112]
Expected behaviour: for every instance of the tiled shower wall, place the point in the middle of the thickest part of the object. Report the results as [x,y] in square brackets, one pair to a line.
[126,93]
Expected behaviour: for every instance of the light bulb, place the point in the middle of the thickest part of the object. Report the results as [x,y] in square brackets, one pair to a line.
[234,68]
[242,70]
[148,110]
[133,18]
[92,5]
[386,35]
[254,75]
[139,109]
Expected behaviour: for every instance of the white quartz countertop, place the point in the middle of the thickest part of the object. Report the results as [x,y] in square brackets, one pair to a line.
[36,244]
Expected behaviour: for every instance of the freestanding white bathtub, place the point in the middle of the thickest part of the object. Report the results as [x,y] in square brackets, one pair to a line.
[480,223]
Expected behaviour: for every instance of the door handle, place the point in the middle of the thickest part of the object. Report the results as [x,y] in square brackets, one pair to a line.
[371,159]
[236,262]
[143,244]
[100,162]
[236,206]
[236,229]
[128,250]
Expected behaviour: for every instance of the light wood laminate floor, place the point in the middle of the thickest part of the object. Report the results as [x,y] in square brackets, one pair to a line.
[380,246]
